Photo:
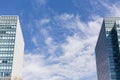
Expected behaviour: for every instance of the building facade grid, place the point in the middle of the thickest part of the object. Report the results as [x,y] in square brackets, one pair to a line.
[108,50]
[9,26]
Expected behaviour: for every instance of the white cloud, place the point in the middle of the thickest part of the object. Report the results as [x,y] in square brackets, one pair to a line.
[71,21]
[34,40]
[113,8]
[34,67]
[77,61]
[73,46]
[51,47]
[39,3]
[42,2]
[42,22]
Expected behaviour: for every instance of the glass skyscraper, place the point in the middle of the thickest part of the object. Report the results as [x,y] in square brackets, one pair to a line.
[11,48]
[108,50]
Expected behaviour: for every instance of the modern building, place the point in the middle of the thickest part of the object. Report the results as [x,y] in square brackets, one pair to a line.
[11,48]
[108,50]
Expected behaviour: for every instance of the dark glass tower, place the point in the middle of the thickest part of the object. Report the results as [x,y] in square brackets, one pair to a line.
[108,50]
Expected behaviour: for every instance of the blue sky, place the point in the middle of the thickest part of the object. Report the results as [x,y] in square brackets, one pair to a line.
[60,36]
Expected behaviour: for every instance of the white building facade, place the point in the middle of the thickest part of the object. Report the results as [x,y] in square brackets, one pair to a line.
[11,48]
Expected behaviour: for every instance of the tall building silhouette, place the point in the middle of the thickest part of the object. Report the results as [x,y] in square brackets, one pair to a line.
[11,48]
[108,50]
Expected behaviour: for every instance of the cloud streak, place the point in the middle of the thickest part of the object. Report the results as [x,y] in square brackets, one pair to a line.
[76,51]
[73,58]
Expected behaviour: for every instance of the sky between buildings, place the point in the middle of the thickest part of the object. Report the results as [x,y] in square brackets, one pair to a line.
[60,35]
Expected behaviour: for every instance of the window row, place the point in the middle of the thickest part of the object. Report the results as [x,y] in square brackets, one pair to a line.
[5,61]
[7,41]
[6,55]
[8,21]
[6,49]
[5,74]
[5,67]
[8,17]
[7,29]
[7,26]
[7,46]
[4,31]
[7,37]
